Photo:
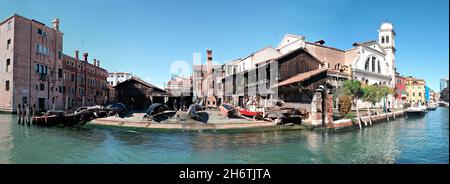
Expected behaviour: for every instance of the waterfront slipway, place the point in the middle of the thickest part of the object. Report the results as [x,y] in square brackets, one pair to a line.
[221,124]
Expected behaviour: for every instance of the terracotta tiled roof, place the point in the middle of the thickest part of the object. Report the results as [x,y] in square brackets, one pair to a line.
[300,77]
[364,43]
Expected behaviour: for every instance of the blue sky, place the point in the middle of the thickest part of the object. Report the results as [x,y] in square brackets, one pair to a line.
[146,37]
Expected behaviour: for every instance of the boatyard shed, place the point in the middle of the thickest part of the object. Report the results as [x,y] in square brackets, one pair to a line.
[137,94]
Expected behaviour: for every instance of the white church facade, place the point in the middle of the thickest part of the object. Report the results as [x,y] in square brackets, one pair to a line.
[371,62]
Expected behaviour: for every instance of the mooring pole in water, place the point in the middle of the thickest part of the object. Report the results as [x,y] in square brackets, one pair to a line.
[22,114]
[32,111]
[370,117]
[18,114]
[28,114]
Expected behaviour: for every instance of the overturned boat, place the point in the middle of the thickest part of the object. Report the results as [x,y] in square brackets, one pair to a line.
[80,117]
[227,110]
[158,112]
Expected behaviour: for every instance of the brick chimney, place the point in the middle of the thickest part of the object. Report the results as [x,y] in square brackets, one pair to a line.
[76,54]
[56,24]
[98,63]
[85,55]
[209,61]
[95,62]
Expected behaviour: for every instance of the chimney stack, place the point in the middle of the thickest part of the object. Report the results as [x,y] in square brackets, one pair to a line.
[98,63]
[56,24]
[209,61]
[76,54]
[85,55]
[95,62]
[209,54]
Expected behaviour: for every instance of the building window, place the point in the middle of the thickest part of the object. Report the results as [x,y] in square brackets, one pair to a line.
[7,85]
[379,66]
[337,66]
[414,94]
[8,62]
[420,94]
[60,73]
[39,31]
[42,87]
[366,66]
[382,39]
[8,42]
[387,39]
[9,25]
[59,54]
[373,64]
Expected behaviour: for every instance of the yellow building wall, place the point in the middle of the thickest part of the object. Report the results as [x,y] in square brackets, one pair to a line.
[415,91]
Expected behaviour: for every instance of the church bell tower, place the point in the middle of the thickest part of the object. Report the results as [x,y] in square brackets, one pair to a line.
[386,38]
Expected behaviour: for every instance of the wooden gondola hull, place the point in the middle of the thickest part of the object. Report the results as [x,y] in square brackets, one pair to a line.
[47,120]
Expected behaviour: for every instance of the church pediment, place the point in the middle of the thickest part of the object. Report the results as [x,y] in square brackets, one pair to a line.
[372,45]
[288,39]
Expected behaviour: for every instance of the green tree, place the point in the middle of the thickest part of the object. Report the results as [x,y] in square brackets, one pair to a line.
[374,94]
[345,105]
[353,89]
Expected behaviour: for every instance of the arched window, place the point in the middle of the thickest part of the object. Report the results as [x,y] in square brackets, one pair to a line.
[366,67]
[379,67]
[373,64]
[382,39]
[337,66]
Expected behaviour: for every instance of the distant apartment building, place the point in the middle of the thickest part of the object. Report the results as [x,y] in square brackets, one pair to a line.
[179,86]
[415,91]
[443,83]
[84,83]
[33,69]
[117,77]
[400,90]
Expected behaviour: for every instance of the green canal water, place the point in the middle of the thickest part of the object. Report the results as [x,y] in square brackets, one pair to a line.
[405,140]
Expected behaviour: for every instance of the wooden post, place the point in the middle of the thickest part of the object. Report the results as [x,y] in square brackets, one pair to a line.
[28,114]
[32,112]
[22,113]
[370,117]
[357,114]
[18,114]
[393,113]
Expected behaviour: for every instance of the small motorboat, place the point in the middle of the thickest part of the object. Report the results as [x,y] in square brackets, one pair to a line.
[416,111]
[250,113]
[432,107]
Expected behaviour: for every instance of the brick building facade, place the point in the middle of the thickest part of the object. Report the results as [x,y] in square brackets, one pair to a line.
[32,65]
